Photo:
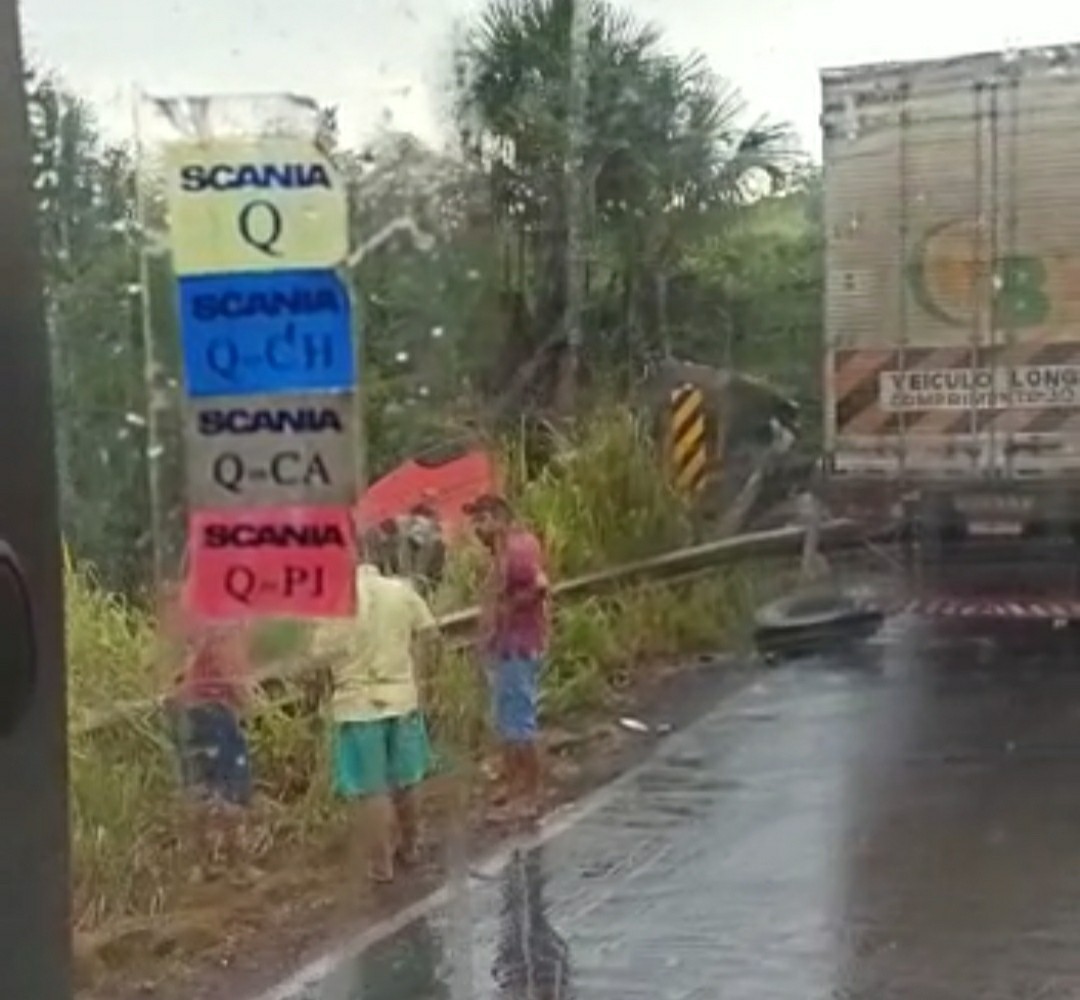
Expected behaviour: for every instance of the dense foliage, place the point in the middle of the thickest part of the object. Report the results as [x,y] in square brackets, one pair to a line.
[698,227]
[698,236]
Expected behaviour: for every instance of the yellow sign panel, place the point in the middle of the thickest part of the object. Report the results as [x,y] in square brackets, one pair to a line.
[239,205]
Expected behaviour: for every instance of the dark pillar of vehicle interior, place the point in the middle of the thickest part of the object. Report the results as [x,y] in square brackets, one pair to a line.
[35,934]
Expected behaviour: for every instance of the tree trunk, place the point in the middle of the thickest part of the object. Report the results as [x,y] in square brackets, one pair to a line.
[566,391]
[662,332]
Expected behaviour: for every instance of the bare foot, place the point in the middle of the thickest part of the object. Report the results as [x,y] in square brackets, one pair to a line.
[529,814]
[245,875]
[502,814]
[381,874]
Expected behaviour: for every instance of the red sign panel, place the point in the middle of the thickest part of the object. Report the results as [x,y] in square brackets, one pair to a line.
[288,562]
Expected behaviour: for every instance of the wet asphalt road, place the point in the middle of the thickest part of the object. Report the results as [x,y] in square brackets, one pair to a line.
[904,823]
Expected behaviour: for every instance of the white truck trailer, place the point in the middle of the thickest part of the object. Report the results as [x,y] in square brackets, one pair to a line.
[952,316]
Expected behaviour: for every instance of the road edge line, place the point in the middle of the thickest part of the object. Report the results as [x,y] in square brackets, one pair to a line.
[557,823]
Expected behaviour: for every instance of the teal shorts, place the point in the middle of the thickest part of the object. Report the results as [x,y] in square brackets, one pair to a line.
[380,756]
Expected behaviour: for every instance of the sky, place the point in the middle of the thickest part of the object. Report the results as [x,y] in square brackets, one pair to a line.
[387,62]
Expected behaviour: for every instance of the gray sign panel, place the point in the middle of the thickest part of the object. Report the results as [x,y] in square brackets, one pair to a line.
[270,451]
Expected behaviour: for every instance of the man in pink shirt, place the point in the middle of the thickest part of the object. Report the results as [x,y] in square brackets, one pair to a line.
[514,634]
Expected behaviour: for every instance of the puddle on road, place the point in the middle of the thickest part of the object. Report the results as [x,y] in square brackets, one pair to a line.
[528,957]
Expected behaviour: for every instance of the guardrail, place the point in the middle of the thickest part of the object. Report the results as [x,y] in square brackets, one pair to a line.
[668,568]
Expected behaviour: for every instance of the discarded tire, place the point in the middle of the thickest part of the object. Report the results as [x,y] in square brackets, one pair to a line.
[813,623]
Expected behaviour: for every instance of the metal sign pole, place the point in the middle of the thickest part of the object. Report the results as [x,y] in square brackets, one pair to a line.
[35,959]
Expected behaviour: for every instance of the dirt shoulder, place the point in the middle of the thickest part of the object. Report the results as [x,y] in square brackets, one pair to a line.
[233,941]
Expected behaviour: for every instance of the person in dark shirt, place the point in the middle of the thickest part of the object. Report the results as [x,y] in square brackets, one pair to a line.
[426,547]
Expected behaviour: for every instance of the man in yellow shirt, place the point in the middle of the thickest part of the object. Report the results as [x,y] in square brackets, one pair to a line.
[380,743]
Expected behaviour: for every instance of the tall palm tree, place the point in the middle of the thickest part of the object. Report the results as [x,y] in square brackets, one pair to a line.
[663,142]
[690,162]
[515,116]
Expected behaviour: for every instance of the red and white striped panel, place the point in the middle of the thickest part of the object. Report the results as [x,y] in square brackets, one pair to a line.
[994,607]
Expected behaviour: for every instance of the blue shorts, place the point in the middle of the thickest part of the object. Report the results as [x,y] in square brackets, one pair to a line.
[214,760]
[516,690]
[380,755]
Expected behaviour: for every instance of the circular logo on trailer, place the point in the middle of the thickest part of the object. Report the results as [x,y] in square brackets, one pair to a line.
[945,274]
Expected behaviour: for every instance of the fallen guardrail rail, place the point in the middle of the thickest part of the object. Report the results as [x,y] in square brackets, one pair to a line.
[668,568]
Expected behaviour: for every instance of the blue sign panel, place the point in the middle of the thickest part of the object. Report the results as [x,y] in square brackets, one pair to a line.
[269,331]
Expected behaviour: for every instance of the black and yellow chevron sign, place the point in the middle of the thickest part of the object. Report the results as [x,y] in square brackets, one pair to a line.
[686,441]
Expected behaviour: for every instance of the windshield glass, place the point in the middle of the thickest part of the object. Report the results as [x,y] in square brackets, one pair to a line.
[562,498]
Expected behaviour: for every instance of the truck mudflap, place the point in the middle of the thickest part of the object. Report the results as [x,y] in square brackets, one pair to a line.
[954,574]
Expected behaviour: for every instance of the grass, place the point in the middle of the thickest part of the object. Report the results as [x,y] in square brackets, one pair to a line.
[110,645]
[601,502]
